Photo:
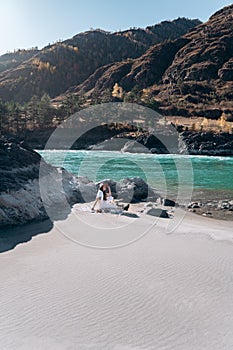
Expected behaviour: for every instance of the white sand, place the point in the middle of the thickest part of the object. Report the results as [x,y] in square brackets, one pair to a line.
[164,291]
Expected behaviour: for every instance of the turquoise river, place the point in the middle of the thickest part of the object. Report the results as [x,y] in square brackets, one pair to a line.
[205,176]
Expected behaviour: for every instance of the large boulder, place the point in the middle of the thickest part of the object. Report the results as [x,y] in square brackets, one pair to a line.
[20,189]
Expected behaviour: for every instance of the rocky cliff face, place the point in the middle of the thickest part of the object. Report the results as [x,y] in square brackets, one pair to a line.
[20,196]
[206,143]
[209,48]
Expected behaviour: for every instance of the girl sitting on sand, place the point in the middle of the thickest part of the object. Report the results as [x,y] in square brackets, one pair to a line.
[104,199]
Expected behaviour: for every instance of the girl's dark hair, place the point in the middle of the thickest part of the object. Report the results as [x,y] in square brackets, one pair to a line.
[104,192]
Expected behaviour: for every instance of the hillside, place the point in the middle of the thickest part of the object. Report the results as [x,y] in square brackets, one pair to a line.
[189,76]
[56,68]
[13,59]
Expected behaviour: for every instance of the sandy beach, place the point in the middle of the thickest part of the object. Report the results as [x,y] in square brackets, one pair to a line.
[167,289]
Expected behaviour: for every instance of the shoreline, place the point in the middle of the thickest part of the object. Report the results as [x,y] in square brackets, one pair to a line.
[230,155]
[12,236]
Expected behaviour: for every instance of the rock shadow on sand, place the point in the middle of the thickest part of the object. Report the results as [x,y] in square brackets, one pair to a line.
[10,237]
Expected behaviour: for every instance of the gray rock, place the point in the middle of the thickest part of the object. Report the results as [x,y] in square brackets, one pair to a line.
[134,147]
[208,213]
[130,215]
[158,213]
[194,205]
[20,190]
[223,205]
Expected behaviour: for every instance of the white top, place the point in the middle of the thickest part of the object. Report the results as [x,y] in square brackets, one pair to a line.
[104,204]
[100,195]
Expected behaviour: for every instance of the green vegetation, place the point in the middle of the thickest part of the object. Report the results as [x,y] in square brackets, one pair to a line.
[37,114]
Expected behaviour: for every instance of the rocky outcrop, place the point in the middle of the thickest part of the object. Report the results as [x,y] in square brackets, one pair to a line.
[226,72]
[134,142]
[20,196]
[19,189]
[206,143]
[163,140]
[135,190]
[209,48]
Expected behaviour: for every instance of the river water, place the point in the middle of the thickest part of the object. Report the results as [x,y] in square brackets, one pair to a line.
[204,176]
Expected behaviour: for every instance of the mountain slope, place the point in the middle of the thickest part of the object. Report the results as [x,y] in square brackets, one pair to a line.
[57,67]
[210,47]
[143,72]
[14,59]
[192,75]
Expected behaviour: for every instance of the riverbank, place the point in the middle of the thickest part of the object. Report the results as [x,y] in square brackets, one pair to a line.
[128,138]
[25,177]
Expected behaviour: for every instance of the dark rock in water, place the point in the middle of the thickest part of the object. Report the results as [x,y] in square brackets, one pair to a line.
[131,190]
[158,212]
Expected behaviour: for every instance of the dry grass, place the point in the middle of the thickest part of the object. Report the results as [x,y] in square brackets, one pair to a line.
[203,124]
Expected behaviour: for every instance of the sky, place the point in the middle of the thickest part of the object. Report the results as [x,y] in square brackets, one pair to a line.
[30,23]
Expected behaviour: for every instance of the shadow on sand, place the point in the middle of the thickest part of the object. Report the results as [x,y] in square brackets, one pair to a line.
[11,237]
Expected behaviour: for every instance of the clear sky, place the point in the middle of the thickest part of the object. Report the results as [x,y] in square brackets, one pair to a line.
[28,23]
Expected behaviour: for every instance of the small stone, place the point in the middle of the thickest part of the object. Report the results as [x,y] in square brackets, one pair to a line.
[208,213]
[168,202]
[194,205]
[149,205]
[223,205]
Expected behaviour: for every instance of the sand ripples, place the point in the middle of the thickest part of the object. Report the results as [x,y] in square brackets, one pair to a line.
[161,293]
